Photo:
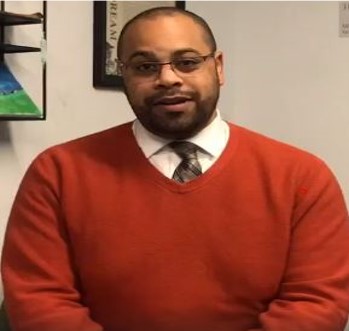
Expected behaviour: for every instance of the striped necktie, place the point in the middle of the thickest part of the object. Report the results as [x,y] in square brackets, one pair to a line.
[189,168]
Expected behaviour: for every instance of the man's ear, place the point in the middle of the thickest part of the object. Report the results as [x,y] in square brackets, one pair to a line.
[219,67]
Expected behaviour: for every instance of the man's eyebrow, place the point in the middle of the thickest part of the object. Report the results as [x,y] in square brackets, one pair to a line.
[142,54]
[185,50]
[152,55]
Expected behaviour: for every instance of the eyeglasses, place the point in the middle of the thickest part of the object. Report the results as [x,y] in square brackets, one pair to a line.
[150,69]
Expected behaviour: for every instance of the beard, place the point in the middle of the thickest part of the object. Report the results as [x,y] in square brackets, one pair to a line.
[176,125]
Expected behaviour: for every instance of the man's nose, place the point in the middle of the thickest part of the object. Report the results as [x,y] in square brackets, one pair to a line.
[167,76]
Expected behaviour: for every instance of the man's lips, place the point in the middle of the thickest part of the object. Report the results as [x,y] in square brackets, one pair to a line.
[172,100]
[173,104]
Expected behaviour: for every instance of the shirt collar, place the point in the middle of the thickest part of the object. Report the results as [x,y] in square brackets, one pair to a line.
[211,139]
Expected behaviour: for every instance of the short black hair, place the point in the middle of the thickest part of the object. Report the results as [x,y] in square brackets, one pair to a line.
[168,11]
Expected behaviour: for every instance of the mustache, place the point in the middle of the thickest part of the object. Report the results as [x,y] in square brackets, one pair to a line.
[167,94]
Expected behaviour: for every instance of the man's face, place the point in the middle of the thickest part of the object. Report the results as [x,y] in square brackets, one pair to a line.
[177,103]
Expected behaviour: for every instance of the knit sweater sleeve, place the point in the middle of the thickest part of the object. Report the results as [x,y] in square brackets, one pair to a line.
[314,293]
[40,286]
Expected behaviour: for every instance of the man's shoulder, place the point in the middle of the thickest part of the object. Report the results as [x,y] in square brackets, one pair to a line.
[270,149]
[280,161]
[102,145]
[256,139]
[108,138]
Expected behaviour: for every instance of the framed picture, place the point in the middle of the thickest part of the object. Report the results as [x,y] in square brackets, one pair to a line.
[23,88]
[108,19]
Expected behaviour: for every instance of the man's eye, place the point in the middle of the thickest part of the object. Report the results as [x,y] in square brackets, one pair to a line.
[187,64]
[145,67]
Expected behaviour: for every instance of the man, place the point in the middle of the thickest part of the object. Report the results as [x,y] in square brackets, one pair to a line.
[178,221]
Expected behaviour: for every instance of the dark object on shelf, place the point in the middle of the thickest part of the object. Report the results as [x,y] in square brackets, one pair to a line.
[7,48]
[11,19]
[7,19]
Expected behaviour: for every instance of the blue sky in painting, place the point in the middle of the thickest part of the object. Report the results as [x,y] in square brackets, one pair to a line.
[8,83]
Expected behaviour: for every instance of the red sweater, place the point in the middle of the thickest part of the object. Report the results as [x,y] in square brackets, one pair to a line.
[98,239]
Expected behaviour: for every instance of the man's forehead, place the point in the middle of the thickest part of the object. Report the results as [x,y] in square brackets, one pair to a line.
[175,23]
[179,18]
[164,34]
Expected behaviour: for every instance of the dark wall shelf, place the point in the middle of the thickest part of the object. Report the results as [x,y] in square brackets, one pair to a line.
[12,19]
[7,19]
[7,48]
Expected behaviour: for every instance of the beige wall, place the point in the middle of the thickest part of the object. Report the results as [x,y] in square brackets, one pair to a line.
[287,73]
[287,76]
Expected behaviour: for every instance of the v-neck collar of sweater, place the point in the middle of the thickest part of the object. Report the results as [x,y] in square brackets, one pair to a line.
[151,173]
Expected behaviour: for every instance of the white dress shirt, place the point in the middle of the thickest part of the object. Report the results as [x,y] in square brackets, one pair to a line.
[212,140]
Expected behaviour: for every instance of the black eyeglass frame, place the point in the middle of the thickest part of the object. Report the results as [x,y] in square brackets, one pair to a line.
[159,64]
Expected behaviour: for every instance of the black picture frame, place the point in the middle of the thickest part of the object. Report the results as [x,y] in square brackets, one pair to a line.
[104,71]
[16,107]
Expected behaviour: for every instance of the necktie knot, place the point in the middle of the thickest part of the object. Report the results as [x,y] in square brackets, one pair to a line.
[189,168]
[184,149]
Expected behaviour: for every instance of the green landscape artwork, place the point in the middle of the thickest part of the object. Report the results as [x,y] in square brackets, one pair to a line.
[14,101]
